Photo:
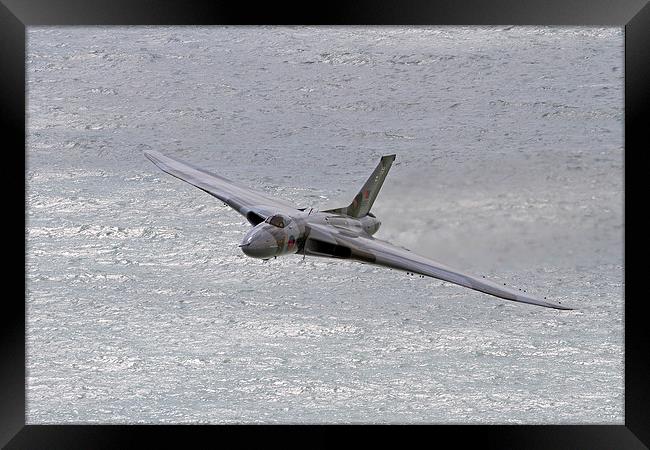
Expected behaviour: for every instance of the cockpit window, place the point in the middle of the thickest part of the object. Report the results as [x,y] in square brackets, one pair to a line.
[277,221]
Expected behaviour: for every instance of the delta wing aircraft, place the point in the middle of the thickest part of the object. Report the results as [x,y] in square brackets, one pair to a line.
[344,233]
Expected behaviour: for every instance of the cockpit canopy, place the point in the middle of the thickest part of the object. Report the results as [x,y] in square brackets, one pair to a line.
[278,220]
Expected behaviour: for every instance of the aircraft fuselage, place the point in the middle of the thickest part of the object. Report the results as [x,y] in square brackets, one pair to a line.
[282,234]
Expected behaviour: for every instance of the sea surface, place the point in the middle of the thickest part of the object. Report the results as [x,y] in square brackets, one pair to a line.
[142,309]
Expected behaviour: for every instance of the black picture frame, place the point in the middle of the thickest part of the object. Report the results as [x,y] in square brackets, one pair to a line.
[16,15]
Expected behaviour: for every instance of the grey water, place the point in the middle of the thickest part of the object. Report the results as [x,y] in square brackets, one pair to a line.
[141,308]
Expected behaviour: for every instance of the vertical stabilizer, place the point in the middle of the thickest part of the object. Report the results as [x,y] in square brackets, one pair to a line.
[363,201]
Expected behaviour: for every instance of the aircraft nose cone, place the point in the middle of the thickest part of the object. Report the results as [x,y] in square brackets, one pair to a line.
[259,244]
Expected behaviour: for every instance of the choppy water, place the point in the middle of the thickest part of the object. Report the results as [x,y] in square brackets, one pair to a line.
[141,308]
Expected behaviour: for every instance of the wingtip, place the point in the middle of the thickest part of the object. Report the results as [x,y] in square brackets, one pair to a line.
[560,307]
[152,155]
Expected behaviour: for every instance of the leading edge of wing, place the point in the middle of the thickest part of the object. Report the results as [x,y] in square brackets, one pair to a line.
[234,194]
[378,252]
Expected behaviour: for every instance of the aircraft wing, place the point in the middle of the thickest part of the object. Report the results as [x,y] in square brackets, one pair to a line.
[328,241]
[256,207]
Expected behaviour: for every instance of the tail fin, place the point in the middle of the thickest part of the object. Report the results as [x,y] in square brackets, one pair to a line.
[363,201]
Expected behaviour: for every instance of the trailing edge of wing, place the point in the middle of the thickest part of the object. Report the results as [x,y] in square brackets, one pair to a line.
[327,242]
[251,204]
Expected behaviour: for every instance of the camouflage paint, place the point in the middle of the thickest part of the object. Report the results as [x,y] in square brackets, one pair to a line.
[364,200]
[341,233]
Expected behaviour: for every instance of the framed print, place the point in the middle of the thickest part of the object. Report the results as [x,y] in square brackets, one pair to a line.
[398,215]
